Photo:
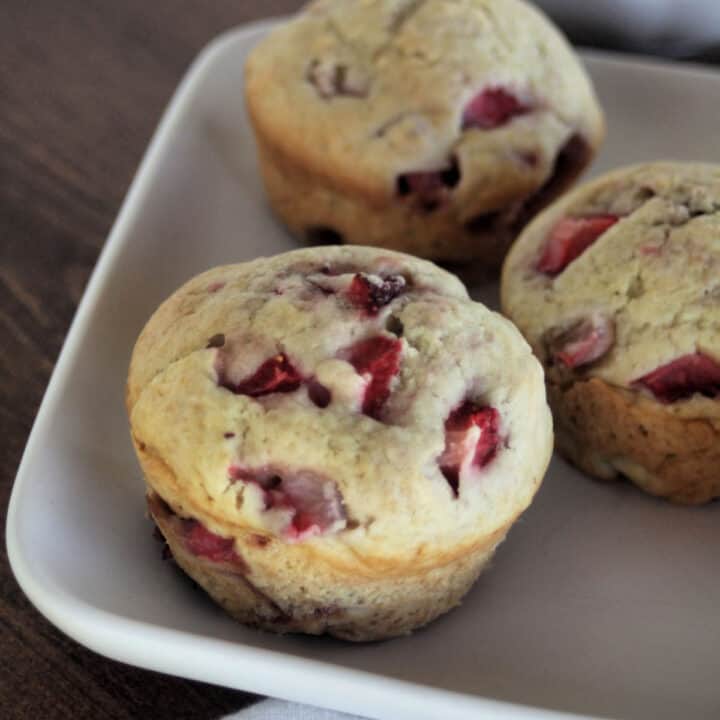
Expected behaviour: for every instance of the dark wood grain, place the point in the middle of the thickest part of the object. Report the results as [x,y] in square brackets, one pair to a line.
[82,87]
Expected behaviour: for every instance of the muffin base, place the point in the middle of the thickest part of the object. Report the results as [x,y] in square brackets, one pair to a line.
[321,211]
[343,605]
[609,432]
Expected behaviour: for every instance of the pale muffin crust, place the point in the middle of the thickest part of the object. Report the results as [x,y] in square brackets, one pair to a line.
[316,599]
[351,96]
[397,544]
[650,286]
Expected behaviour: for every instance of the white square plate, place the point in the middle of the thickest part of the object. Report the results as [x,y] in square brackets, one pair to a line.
[602,602]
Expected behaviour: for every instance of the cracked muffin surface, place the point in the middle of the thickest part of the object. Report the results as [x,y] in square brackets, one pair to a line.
[617,289]
[335,439]
[437,127]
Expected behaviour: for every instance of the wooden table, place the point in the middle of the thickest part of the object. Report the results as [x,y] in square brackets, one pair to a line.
[82,87]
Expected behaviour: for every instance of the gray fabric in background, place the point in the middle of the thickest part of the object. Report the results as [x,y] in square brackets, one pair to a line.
[280,710]
[670,28]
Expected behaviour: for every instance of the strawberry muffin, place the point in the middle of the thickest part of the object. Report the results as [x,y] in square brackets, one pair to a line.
[617,289]
[436,127]
[335,440]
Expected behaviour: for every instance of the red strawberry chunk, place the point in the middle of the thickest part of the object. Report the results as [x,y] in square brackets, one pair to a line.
[314,503]
[585,342]
[275,375]
[377,358]
[429,188]
[471,435]
[492,108]
[683,378]
[200,541]
[422,183]
[370,295]
[570,238]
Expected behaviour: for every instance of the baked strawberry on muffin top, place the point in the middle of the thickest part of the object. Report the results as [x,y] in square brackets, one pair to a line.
[335,439]
[437,127]
[617,289]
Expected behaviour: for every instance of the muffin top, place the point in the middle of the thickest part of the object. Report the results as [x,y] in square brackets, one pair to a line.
[621,281]
[352,399]
[389,97]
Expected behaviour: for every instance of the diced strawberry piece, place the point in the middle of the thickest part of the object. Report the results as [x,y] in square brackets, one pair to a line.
[471,435]
[275,375]
[570,238]
[203,543]
[377,358]
[492,108]
[430,188]
[586,341]
[683,378]
[370,295]
[422,183]
[315,502]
